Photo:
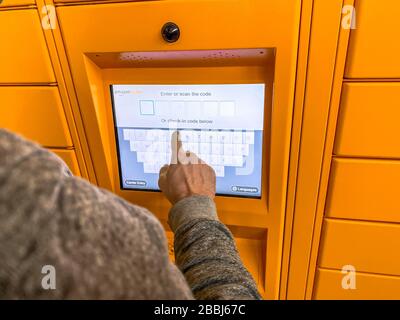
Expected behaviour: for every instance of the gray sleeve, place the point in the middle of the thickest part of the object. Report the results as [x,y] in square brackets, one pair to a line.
[206,253]
[100,246]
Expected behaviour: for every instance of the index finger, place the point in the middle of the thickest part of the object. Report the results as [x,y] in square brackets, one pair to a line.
[176,146]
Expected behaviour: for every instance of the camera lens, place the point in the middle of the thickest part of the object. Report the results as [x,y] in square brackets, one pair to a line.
[170,32]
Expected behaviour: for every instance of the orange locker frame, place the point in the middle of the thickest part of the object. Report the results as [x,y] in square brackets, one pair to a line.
[66,91]
[315,116]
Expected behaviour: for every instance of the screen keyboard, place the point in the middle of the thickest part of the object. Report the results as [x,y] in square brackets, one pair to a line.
[218,148]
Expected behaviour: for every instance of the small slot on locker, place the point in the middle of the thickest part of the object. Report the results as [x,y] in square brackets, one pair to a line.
[192,58]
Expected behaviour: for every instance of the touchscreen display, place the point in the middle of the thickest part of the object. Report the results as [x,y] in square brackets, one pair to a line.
[221,124]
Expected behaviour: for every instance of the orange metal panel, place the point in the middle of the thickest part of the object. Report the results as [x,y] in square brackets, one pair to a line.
[340,62]
[35,112]
[368,246]
[67,94]
[23,55]
[16,3]
[322,52]
[69,158]
[369,120]
[364,190]
[368,286]
[301,77]
[374,47]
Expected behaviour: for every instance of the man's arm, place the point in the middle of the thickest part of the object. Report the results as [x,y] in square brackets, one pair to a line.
[205,249]
[101,247]
[206,253]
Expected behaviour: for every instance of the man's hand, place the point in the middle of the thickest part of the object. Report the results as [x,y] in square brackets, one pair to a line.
[187,175]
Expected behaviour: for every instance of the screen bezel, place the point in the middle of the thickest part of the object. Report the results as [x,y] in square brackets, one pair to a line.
[121,185]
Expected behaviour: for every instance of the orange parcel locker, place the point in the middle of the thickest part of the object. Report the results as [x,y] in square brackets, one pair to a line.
[24,57]
[373,48]
[35,112]
[230,72]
